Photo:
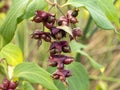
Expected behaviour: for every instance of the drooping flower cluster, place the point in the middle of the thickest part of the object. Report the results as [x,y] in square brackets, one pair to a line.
[8,85]
[56,59]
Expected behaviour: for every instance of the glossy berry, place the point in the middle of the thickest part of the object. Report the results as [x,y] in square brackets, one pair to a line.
[73,20]
[74,13]
[8,85]
[12,85]
[51,18]
[48,25]
[63,21]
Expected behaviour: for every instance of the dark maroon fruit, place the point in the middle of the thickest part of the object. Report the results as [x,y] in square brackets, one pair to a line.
[75,13]
[68,60]
[49,25]
[73,20]
[51,19]
[63,21]
[12,85]
[2,87]
[6,82]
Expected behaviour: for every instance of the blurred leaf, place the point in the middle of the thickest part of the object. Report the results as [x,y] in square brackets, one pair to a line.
[34,74]
[12,54]
[15,16]
[76,47]
[79,79]
[2,17]
[8,28]
[94,8]
[66,29]
[22,37]
[109,9]
[27,86]
[33,7]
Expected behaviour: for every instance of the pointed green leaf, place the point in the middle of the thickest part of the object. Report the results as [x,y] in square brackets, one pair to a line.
[33,7]
[12,54]
[75,45]
[34,74]
[8,27]
[18,9]
[109,9]
[66,29]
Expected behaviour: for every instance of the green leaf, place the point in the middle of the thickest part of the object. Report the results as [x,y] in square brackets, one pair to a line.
[34,74]
[98,16]
[93,7]
[15,15]
[109,9]
[79,79]
[76,47]
[66,29]
[8,27]
[12,54]
[33,7]
[27,86]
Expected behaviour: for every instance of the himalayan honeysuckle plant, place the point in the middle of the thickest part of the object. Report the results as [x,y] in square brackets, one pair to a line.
[59,39]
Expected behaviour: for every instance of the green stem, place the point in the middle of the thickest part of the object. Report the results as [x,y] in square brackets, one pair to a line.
[87,26]
[111,79]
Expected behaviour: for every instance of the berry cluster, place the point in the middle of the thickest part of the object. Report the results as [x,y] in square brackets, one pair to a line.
[8,85]
[55,36]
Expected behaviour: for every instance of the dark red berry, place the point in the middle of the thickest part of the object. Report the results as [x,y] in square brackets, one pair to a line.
[37,19]
[49,25]
[43,15]
[68,60]
[75,13]
[51,19]
[47,39]
[6,83]
[63,21]
[12,85]
[73,20]
[2,87]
